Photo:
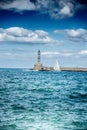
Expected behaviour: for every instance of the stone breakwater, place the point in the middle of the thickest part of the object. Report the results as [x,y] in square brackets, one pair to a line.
[73,69]
[61,69]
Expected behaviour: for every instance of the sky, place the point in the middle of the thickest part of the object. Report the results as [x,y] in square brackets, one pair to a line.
[58,28]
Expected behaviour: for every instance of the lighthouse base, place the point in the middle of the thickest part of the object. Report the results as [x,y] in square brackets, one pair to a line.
[38,67]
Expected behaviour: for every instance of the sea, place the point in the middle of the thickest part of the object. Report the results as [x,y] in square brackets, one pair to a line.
[43,100]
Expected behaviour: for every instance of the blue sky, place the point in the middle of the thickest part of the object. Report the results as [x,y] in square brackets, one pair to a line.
[56,27]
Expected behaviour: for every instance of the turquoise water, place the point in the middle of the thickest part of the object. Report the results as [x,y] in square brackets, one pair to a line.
[35,100]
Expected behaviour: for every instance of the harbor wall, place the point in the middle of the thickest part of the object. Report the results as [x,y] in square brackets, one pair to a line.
[72,69]
[42,68]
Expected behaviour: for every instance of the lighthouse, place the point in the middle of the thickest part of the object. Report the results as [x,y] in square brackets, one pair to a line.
[38,65]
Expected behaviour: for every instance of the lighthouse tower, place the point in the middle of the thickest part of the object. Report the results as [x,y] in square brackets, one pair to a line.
[38,57]
[38,65]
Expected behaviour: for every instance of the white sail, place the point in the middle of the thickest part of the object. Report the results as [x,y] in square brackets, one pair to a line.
[56,66]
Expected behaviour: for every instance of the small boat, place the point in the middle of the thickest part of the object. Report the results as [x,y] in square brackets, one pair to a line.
[57,67]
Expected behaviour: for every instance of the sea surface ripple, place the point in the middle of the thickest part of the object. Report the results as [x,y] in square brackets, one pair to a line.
[43,100]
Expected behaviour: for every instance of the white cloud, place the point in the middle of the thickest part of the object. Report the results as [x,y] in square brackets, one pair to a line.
[76,33]
[62,53]
[65,53]
[83,52]
[57,9]
[50,53]
[19,5]
[41,32]
[18,34]
[66,10]
[79,35]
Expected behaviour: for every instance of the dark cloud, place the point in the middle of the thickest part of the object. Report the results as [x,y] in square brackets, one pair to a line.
[6,1]
[57,9]
[50,1]
[33,1]
[82,1]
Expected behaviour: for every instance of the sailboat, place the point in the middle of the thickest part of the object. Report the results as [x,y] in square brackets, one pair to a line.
[57,67]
